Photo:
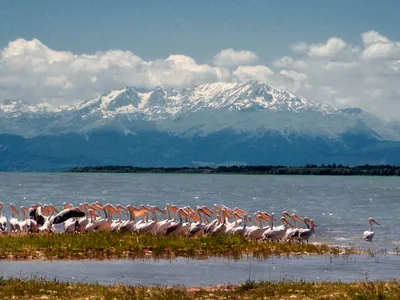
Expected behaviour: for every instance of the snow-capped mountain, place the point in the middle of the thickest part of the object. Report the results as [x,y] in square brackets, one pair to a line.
[239,106]
[216,123]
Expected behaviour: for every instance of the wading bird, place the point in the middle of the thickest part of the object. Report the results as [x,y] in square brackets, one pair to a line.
[369,234]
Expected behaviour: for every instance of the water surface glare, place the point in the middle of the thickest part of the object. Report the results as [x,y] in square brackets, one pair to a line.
[190,272]
[340,205]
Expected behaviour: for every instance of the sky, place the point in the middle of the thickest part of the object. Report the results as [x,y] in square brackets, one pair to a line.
[343,53]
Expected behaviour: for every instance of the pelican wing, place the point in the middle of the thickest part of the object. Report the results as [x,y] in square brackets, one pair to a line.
[67,214]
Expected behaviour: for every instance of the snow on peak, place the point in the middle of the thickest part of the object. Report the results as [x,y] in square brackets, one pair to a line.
[250,106]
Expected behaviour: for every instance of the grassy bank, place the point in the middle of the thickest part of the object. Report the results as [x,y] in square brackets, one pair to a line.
[98,245]
[41,289]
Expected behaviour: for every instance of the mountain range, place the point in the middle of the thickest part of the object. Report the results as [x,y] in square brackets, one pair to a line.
[211,124]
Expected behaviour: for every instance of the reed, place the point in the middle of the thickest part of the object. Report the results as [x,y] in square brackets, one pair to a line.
[41,288]
[98,245]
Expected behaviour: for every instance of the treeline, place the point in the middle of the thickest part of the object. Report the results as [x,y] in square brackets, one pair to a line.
[310,169]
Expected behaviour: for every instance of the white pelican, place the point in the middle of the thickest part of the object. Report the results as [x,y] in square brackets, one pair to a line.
[369,234]
[25,223]
[197,228]
[278,233]
[258,231]
[306,233]
[241,229]
[221,227]
[91,225]
[14,224]
[293,233]
[152,226]
[164,224]
[104,225]
[3,220]
[177,229]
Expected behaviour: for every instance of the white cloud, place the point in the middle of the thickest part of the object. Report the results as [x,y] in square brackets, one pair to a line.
[300,47]
[246,73]
[372,37]
[231,58]
[31,71]
[332,48]
[347,75]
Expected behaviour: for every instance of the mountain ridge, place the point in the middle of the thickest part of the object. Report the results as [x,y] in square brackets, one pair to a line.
[216,123]
[253,104]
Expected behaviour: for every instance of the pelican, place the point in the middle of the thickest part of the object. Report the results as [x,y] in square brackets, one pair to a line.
[3,220]
[293,233]
[179,228]
[369,234]
[277,233]
[240,230]
[306,233]
[221,227]
[198,227]
[14,224]
[25,223]
[164,224]
[91,225]
[105,224]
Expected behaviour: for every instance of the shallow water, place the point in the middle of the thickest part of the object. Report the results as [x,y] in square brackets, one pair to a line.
[340,205]
[189,272]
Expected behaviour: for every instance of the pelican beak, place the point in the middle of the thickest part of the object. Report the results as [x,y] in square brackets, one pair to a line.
[204,212]
[190,210]
[172,208]
[240,211]
[138,212]
[99,204]
[297,218]
[184,214]
[14,209]
[205,209]
[227,209]
[159,210]
[287,222]
[53,208]
[93,214]
[373,221]
[286,215]
[113,209]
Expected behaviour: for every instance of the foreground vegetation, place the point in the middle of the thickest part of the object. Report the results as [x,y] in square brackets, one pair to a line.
[378,170]
[42,289]
[102,245]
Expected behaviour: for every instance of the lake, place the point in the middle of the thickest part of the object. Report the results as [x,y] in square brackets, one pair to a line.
[340,205]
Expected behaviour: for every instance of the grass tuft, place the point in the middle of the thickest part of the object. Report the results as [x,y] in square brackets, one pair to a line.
[40,288]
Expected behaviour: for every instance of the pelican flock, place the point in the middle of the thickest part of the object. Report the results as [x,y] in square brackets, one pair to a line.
[172,220]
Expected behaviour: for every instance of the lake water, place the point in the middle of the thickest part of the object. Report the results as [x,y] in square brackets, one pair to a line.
[209,272]
[339,205]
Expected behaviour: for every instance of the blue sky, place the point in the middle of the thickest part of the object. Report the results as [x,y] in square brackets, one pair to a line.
[155,29]
[341,53]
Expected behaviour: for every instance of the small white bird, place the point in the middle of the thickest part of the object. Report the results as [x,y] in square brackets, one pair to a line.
[369,234]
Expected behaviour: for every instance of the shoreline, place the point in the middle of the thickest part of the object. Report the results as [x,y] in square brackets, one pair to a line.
[310,170]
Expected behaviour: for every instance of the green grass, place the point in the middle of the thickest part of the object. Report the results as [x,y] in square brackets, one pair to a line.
[40,288]
[99,245]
